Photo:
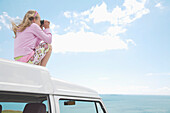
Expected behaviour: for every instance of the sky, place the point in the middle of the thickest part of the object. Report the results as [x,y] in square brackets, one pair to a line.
[111,46]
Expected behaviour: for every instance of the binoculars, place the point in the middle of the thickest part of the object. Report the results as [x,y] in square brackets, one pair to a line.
[42,22]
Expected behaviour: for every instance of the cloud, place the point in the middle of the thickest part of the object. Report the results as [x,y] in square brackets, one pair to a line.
[100,14]
[164,89]
[159,5]
[5,19]
[80,36]
[133,90]
[84,25]
[54,28]
[157,74]
[103,78]
[133,10]
[118,89]
[115,30]
[0,27]
[86,42]
[67,14]
[131,41]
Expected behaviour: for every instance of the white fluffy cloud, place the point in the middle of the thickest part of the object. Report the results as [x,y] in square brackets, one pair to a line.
[159,5]
[82,40]
[0,27]
[86,42]
[5,19]
[115,30]
[54,28]
[119,16]
[67,14]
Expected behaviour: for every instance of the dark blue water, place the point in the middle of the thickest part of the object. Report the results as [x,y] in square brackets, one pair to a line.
[136,103]
[121,104]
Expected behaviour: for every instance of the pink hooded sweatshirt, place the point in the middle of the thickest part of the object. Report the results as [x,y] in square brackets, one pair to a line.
[29,39]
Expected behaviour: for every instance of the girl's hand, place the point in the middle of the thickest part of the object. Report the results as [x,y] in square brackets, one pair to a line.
[46,24]
[41,27]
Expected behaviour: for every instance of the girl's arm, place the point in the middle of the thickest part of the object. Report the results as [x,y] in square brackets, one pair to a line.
[44,35]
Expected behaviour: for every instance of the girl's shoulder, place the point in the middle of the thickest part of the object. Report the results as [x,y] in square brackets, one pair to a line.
[34,26]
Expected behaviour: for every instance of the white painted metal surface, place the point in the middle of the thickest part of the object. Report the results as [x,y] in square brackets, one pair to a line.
[22,77]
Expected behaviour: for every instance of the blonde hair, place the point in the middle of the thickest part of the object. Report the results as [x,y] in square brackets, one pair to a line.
[26,22]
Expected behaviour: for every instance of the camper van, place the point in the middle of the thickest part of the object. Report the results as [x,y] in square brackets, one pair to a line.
[27,88]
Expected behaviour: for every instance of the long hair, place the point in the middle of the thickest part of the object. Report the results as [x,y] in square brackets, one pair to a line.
[26,22]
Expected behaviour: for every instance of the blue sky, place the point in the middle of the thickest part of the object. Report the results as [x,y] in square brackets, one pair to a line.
[112,46]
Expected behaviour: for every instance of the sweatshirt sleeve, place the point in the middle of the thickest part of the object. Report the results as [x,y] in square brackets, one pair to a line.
[44,35]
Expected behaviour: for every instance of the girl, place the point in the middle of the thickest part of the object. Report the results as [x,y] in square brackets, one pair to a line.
[32,44]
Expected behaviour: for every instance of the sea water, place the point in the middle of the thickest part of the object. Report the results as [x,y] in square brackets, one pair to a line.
[136,103]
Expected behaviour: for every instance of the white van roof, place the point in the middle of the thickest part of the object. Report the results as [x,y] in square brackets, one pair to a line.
[22,77]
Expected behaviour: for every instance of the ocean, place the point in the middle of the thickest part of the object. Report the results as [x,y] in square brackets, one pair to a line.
[117,104]
[136,103]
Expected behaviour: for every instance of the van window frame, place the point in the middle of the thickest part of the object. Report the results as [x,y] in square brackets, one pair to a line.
[25,93]
[95,100]
[49,104]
